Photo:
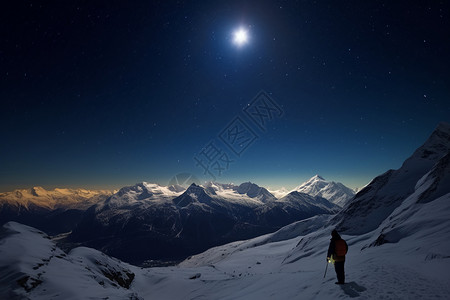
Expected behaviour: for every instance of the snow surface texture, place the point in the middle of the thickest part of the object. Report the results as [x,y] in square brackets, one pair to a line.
[334,192]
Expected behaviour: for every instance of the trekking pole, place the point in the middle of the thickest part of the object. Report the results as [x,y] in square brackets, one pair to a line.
[326,268]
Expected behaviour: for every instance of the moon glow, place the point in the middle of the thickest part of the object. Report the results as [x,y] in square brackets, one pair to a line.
[240,37]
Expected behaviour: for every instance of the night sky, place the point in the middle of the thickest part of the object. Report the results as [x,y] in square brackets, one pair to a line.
[103,94]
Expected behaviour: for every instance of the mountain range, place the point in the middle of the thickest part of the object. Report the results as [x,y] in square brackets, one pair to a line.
[397,230]
[53,199]
[54,211]
[146,222]
[168,223]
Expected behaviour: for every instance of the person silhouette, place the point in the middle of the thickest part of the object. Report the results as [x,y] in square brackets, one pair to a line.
[337,250]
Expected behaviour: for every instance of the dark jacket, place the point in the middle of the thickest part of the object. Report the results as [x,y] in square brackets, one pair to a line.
[332,248]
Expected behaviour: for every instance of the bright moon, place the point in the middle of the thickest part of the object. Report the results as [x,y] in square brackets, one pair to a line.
[240,37]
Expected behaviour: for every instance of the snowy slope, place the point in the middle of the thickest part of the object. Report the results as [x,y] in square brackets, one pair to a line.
[32,267]
[386,192]
[334,192]
[308,202]
[425,211]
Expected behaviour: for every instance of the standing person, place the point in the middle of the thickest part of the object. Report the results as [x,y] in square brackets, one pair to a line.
[336,253]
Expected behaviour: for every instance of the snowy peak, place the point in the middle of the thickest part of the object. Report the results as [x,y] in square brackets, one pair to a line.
[217,187]
[140,194]
[317,178]
[246,192]
[334,192]
[194,193]
[254,191]
[38,191]
[313,180]
[313,186]
[147,190]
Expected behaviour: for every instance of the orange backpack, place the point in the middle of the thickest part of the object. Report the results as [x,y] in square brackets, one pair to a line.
[340,247]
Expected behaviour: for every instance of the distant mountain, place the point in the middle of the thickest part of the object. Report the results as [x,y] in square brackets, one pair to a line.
[246,189]
[306,202]
[386,192]
[279,193]
[334,192]
[54,211]
[53,199]
[254,191]
[293,207]
[140,195]
[150,222]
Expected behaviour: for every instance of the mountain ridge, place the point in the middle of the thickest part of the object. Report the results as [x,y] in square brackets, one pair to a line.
[192,221]
[386,191]
[53,199]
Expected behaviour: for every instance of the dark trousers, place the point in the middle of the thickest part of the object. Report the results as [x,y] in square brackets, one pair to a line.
[340,273]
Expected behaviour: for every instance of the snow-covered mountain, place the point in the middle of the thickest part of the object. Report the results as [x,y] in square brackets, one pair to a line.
[55,211]
[149,222]
[386,192]
[309,203]
[335,192]
[140,195]
[243,191]
[293,207]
